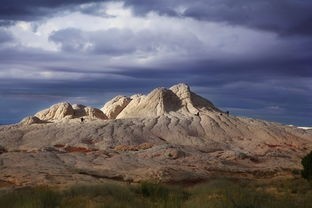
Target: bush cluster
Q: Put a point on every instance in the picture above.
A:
(307, 167)
(217, 193)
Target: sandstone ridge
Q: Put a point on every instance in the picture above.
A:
(168, 135)
(161, 101)
(63, 111)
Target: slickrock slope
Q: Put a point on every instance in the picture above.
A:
(168, 135)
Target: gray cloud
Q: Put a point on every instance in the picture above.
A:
(124, 41)
(283, 17)
(112, 41)
(289, 17)
(29, 10)
(5, 36)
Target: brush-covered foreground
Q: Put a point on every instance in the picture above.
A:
(217, 193)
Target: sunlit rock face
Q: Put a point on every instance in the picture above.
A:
(113, 107)
(57, 111)
(161, 101)
(65, 110)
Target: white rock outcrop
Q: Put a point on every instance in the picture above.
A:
(190, 102)
(87, 111)
(154, 104)
(113, 107)
(56, 112)
(162, 101)
(66, 110)
(94, 113)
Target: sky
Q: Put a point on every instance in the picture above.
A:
(250, 57)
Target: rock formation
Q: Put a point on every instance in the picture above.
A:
(86, 111)
(161, 101)
(56, 112)
(65, 110)
(113, 107)
(167, 135)
(191, 102)
(31, 120)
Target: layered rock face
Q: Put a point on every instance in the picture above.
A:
(167, 135)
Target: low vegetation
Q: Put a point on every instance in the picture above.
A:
(307, 167)
(217, 193)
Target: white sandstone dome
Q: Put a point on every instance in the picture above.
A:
(161, 101)
(56, 112)
(113, 107)
(67, 111)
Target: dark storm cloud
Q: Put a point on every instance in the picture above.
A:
(32, 9)
(287, 17)
(284, 17)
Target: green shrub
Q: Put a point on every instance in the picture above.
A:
(154, 191)
(162, 196)
(307, 167)
(296, 172)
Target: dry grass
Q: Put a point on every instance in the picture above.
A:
(217, 193)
